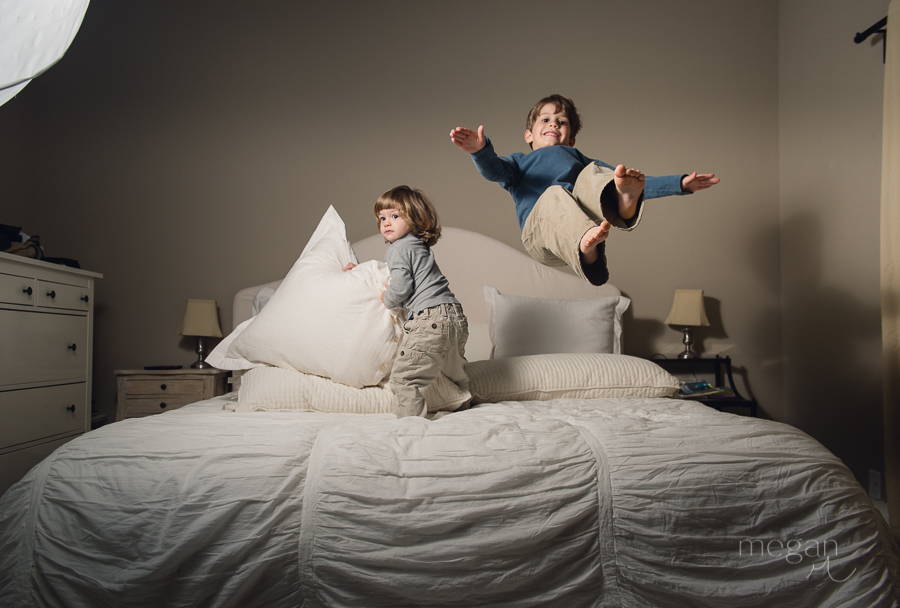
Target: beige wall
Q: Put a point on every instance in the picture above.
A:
(187, 154)
(830, 112)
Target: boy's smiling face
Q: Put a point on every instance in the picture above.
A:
(550, 129)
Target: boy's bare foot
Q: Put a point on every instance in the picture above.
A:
(591, 240)
(630, 185)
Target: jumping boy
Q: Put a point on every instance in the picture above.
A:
(436, 330)
(565, 201)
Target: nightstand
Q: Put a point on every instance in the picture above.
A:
(145, 392)
(718, 366)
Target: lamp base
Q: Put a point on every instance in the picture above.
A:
(688, 352)
(200, 363)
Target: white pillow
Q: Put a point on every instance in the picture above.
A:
(282, 390)
(321, 320)
(219, 357)
(560, 376)
(260, 300)
(535, 326)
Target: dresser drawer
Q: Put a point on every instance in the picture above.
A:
(62, 296)
(17, 290)
(146, 406)
(39, 347)
(192, 387)
(35, 413)
(14, 464)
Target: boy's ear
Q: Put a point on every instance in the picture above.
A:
(529, 138)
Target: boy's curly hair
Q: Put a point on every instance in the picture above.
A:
(562, 104)
(416, 209)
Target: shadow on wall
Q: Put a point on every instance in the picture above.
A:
(641, 336)
(763, 254)
(832, 352)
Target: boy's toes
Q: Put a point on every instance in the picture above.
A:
(594, 237)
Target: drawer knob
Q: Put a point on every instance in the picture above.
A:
(71, 408)
(28, 290)
(52, 294)
(162, 387)
(162, 406)
(72, 347)
(84, 298)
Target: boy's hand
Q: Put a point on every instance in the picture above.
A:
(468, 140)
(349, 266)
(693, 182)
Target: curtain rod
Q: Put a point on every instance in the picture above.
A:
(878, 28)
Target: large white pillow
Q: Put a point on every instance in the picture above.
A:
(522, 326)
(321, 320)
(561, 376)
(282, 390)
(220, 358)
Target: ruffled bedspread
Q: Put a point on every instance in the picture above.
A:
(612, 502)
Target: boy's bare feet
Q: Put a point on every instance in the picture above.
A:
(630, 185)
(591, 240)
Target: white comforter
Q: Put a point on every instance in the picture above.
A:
(614, 502)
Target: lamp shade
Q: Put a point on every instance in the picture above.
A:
(201, 318)
(687, 308)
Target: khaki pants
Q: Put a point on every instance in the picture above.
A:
(553, 230)
(434, 341)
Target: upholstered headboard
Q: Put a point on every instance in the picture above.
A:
(470, 261)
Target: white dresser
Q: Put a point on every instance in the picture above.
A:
(46, 344)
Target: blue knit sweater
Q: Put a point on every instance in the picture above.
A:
(527, 176)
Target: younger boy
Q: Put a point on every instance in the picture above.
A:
(565, 201)
(435, 334)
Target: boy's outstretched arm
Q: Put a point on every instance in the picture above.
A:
(468, 140)
(698, 181)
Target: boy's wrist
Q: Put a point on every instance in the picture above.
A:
(487, 144)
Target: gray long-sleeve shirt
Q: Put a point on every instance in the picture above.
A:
(416, 281)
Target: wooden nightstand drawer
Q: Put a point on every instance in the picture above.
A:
(165, 386)
(135, 408)
(148, 392)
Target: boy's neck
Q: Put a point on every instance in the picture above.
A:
(552, 146)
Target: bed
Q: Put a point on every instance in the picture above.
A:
(572, 480)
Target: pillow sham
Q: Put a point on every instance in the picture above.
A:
(321, 320)
(569, 375)
(522, 326)
(282, 390)
(219, 357)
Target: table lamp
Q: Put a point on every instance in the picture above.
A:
(688, 312)
(201, 320)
